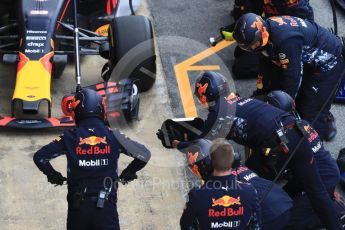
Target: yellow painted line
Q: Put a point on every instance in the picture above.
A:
(206, 53)
(182, 78)
(204, 67)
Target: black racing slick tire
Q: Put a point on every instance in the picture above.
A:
(132, 52)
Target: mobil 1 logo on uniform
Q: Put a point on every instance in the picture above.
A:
(93, 163)
(226, 224)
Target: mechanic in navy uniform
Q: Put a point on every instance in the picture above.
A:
(246, 64)
(222, 202)
(256, 124)
(92, 152)
(275, 208)
(309, 58)
(269, 8)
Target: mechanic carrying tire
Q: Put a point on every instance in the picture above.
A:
(309, 59)
(222, 202)
(246, 64)
(256, 124)
(92, 152)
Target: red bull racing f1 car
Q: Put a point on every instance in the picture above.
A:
(38, 36)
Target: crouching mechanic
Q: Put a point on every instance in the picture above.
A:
(256, 124)
(309, 58)
(297, 8)
(223, 201)
(246, 64)
(269, 8)
(275, 207)
(92, 152)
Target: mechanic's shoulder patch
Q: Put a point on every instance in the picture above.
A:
(232, 98)
(292, 3)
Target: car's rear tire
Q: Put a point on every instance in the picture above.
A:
(6, 7)
(126, 33)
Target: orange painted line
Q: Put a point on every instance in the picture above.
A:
(182, 78)
(185, 92)
(204, 68)
(206, 53)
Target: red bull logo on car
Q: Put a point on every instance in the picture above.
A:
(93, 142)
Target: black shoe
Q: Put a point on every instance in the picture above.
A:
(341, 160)
(332, 129)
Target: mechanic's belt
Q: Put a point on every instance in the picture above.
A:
(100, 199)
(281, 132)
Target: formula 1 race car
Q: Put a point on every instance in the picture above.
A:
(40, 36)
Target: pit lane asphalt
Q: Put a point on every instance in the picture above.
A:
(199, 20)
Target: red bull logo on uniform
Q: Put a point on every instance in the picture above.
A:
(312, 136)
(293, 22)
(226, 212)
(278, 20)
(226, 201)
(93, 142)
(307, 128)
(232, 98)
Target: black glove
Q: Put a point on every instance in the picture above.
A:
(168, 133)
(341, 160)
(56, 178)
(166, 137)
(127, 176)
(229, 28)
